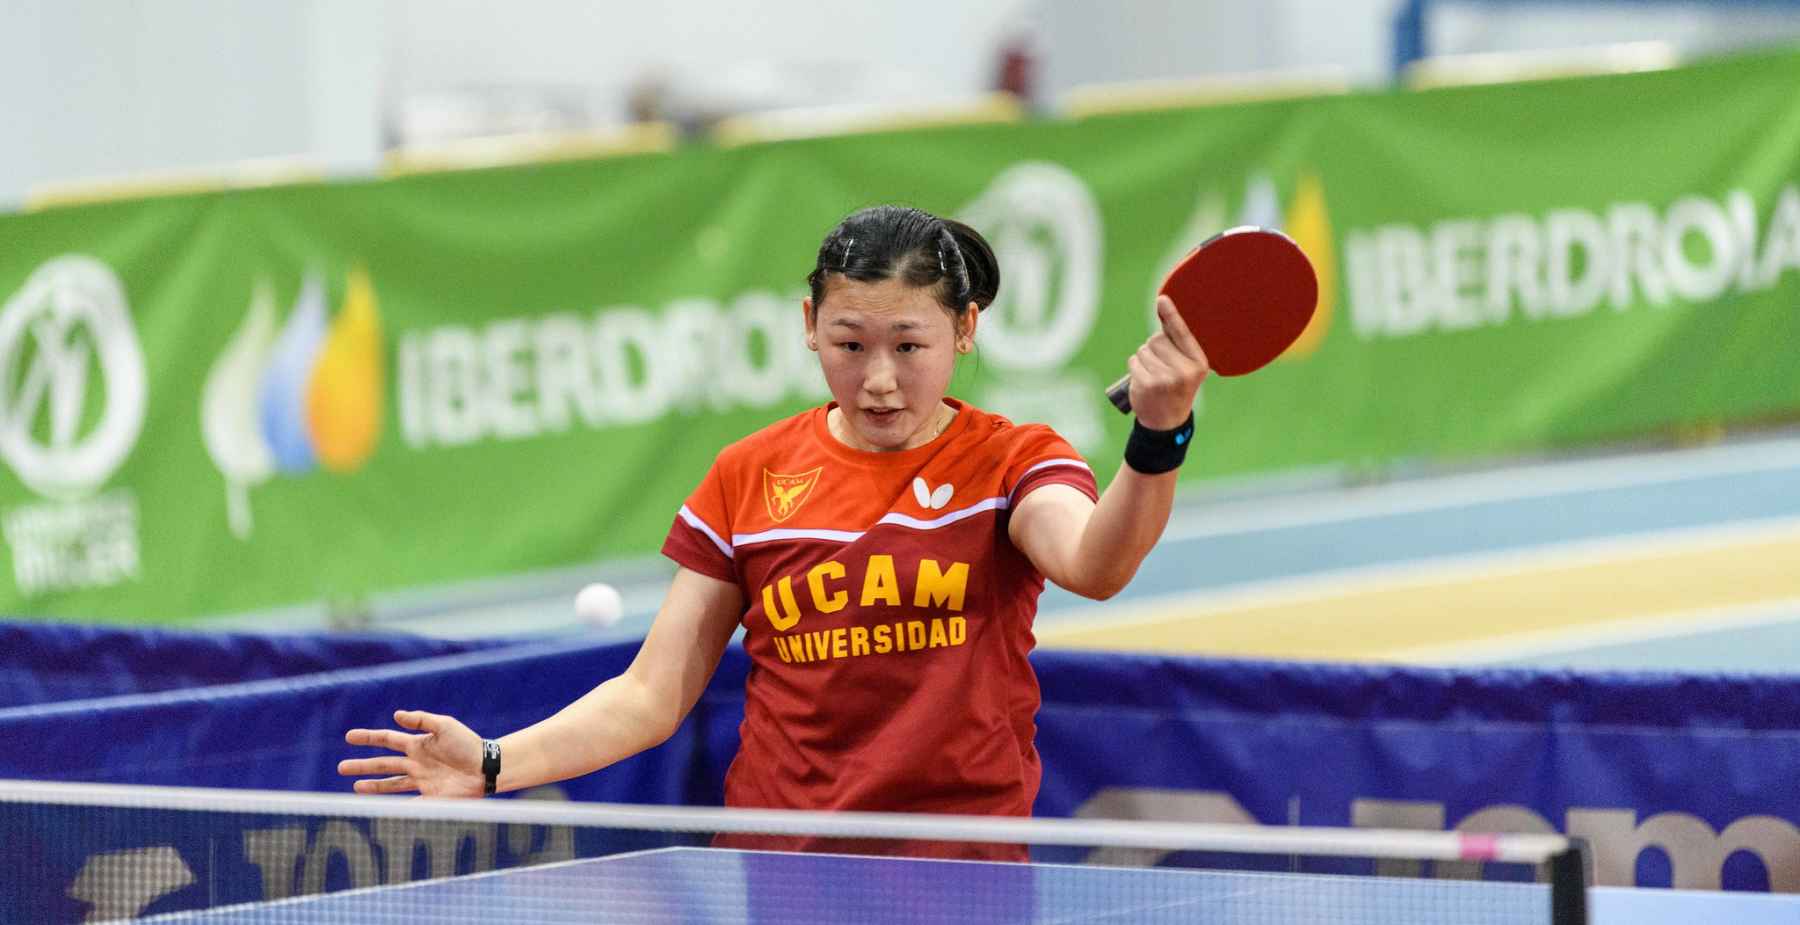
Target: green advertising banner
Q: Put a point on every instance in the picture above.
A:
(224, 402)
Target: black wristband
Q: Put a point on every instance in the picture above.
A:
(1153, 452)
(490, 764)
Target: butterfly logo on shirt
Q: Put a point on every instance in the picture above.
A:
(929, 499)
(783, 494)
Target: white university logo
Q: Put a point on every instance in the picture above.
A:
(72, 397)
(69, 319)
(1046, 229)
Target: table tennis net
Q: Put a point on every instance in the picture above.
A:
(74, 853)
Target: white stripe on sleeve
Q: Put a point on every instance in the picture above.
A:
(693, 520)
(1076, 463)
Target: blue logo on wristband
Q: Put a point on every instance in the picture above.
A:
(1183, 435)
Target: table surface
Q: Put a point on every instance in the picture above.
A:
(714, 885)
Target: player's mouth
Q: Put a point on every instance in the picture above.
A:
(882, 416)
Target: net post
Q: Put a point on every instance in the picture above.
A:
(1568, 886)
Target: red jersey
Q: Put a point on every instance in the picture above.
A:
(889, 615)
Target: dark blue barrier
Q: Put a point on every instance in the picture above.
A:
(47, 662)
(287, 733)
(1674, 779)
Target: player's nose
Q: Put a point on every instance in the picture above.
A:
(878, 376)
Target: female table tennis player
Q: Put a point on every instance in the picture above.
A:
(884, 554)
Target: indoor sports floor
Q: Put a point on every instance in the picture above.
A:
(1677, 558)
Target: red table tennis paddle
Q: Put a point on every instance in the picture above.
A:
(1246, 293)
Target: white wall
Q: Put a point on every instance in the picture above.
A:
(1145, 39)
(602, 48)
(98, 87)
(109, 87)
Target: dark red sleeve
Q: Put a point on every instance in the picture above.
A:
(1042, 457)
(700, 537)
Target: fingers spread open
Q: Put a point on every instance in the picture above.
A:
(420, 720)
(362, 767)
(400, 784)
(380, 738)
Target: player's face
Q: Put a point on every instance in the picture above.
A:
(888, 350)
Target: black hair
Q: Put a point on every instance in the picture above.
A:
(884, 242)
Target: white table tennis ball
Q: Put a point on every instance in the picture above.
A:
(599, 604)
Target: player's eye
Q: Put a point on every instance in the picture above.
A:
(851, 346)
(909, 348)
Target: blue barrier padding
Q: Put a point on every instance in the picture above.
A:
(1685, 779)
(1682, 779)
(45, 662)
(287, 733)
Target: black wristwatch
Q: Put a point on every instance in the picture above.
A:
(490, 764)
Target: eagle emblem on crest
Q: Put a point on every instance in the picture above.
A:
(784, 494)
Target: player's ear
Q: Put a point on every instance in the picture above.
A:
(812, 324)
(965, 333)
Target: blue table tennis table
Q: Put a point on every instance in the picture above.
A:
(707, 885)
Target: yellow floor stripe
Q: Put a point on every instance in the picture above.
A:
(1384, 623)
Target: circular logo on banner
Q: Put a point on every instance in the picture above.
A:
(69, 321)
(1045, 229)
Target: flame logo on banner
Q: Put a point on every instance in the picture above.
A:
(291, 401)
(1306, 219)
(1309, 224)
(343, 399)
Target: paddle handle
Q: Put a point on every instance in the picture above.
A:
(1120, 394)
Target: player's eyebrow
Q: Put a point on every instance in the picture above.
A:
(857, 325)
